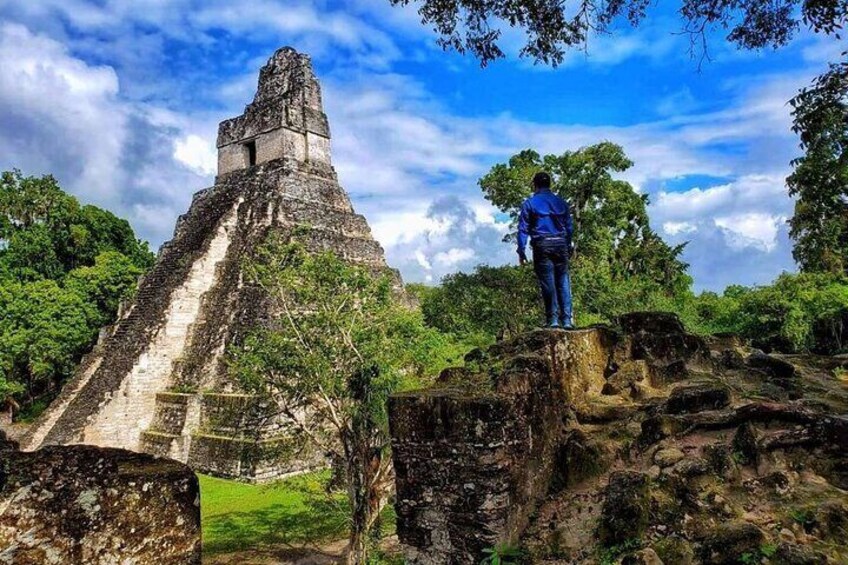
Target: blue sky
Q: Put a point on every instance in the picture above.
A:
(121, 101)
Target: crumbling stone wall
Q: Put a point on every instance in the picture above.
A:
(474, 456)
(84, 504)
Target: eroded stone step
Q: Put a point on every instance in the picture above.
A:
(251, 460)
(158, 443)
(297, 211)
(170, 414)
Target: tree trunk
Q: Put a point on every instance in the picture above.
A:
(357, 486)
(363, 450)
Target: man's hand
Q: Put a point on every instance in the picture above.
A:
(522, 259)
(571, 251)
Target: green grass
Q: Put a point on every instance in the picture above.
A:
(294, 511)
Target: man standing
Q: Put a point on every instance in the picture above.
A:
(546, 220)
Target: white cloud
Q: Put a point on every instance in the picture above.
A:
(754, 228)
(56, 107)
(453, 256)
(674, 228)
(822, 49)
(197, 153)
(66, 117)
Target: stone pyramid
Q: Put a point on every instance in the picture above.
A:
(157, 380)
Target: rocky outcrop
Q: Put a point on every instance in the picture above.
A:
(635, 444)
(473, 458)
(158, 381)
(83, 504)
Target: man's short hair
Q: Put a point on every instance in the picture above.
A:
(542, 180)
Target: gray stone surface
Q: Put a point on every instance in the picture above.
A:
(83, 504)
(139, 389)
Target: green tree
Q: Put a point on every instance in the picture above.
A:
(611, 227)
(45, 330)
(48, 233)
(553, 27)
(111, 278)
(803, 312)
(64, 268)
(481, 306)
(340, 343)
(820, 179)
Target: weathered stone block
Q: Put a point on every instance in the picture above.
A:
(727, 543)
(651, 322)
(470, 468)
(82, 504)
(697, 398)
(625, 513)
(628, 374)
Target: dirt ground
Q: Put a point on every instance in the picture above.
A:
(326, 554)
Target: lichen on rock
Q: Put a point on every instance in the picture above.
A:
(97, 506)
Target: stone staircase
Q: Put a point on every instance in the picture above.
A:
(225, 434)
(164, 436)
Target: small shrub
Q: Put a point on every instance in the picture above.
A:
(610, 555)
(804, 517)
(502, 554)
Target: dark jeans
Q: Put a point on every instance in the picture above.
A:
(551, 265)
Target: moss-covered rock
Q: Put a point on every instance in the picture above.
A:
(729, 543)
(626, 509)
(83, 504)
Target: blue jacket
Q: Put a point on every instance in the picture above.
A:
(544, 216)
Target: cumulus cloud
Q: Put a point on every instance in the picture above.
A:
(197, 153)
(455, 238)
(740, 225)
(58, 108)
(66, 117)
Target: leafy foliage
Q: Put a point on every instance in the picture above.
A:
(502, 554)
(797, 312)
(553, 27)
(612, 233)
(801, 312)
(820, 179)
(340, 343)
(48, 233)
(63, 270)
(491, 301)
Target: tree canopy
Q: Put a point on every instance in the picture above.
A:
(612, 233)
(820, 177)
(64, 267)
(339, 342)
(553, 27)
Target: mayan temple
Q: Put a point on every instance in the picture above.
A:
(157, 380)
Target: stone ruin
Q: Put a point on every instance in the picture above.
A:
(157, 380)
(84, 504)
(640, 444)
